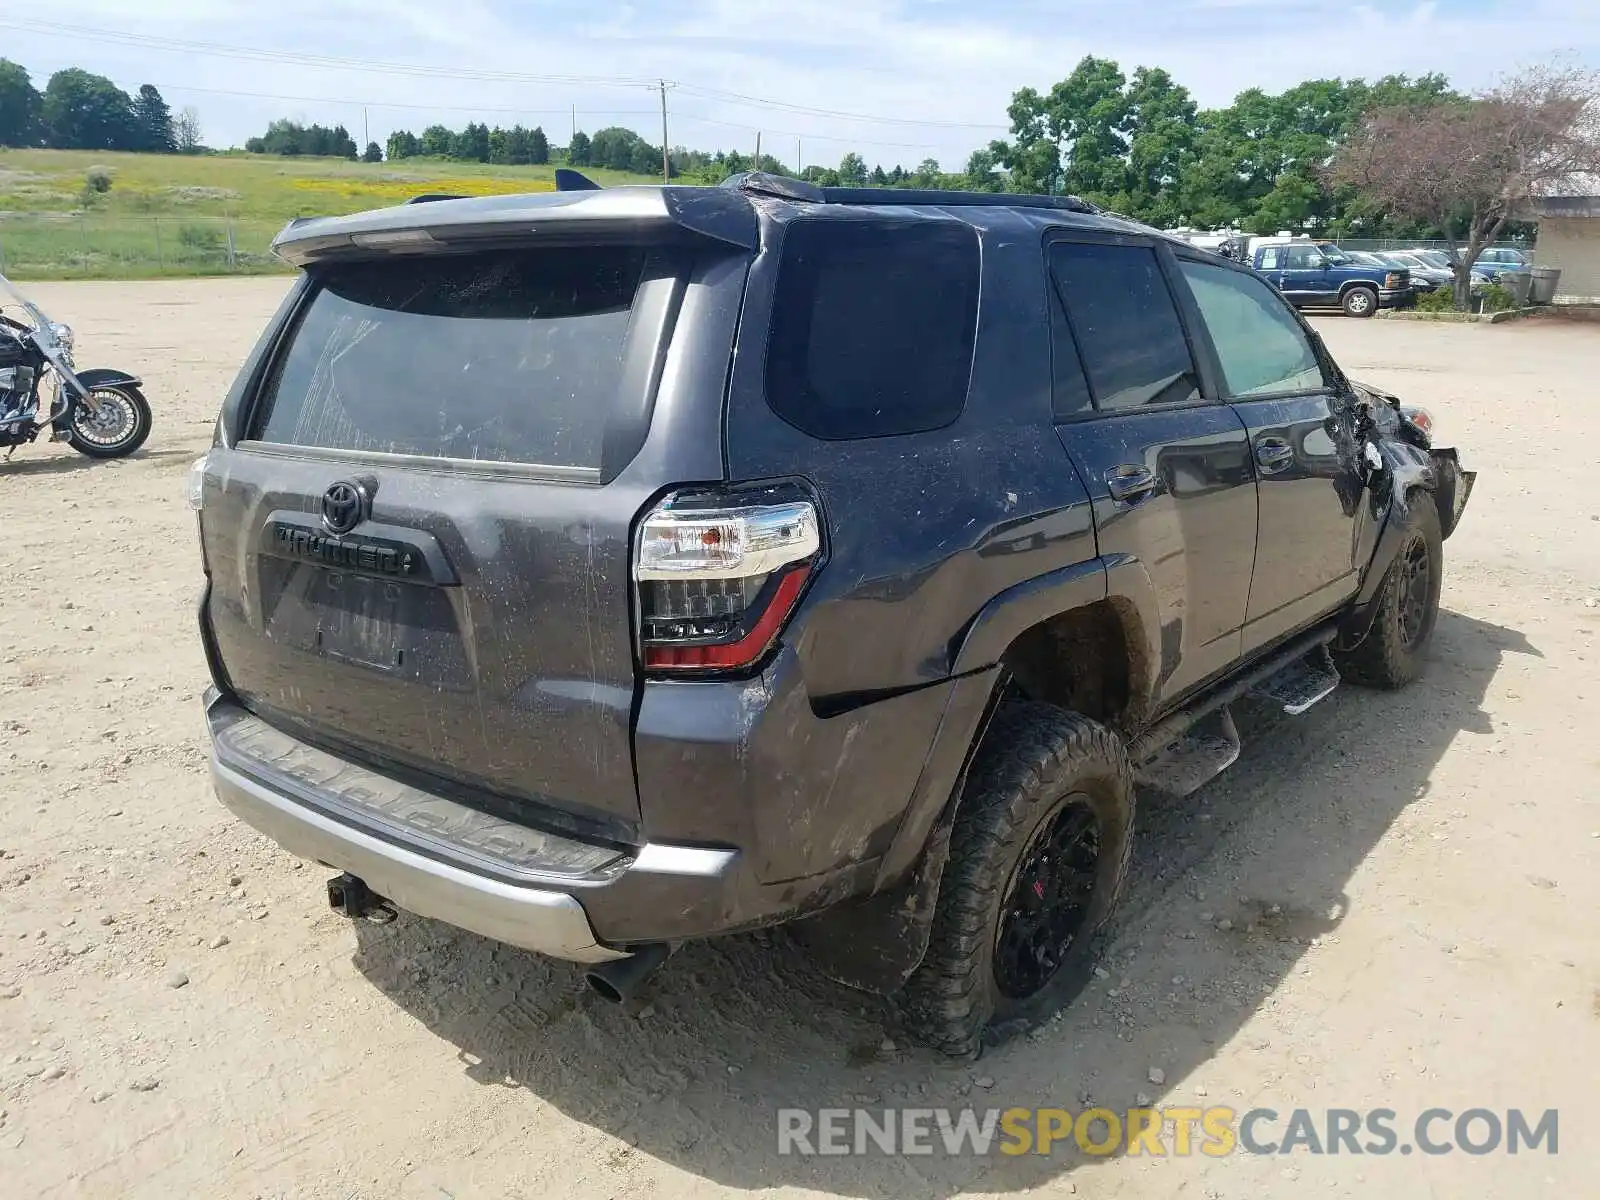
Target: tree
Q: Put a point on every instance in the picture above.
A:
(403, 144)
(153, 120)
(980, 172)
(292, 138)
(373, 153)
(20, 104)
(436, 142)
(579, 152)
(186, 131)
(852, 170)
(538, 147)
(1159, 124)
(1072, 139)
(87, 112)
(1470, 167)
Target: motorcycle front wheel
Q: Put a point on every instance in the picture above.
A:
(118, 429)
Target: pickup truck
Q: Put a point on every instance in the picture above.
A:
(1318, 275)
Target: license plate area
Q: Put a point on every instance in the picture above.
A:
(361, 620)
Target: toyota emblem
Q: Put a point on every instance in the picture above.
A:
(342, 507)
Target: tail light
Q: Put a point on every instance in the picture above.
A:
(1395, 280)
(717, 581)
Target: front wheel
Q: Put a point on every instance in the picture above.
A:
(1359, 302)
(1390, 656)
(1038, 856)
(118, 429)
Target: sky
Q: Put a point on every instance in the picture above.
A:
(896, 80)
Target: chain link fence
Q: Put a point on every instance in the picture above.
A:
(95, 246)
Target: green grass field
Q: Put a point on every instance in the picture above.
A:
(172, 215)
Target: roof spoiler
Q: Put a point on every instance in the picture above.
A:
(568, 180)
(430, 197)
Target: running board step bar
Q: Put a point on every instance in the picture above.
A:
(1193, 759)
(1300, 684)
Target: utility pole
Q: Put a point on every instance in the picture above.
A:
(366, 138)
(666, 160)
(758, 150)
(574, 124)
(799, 169)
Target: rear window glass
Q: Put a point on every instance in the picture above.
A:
(514, 356)
(874, 324)
(1126, 324)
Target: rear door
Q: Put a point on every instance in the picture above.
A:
(418, 538)
(1302, 441)
(1167, 468)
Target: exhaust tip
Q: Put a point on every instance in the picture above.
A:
(620, 980)
(600, 987)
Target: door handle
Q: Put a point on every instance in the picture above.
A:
(1274, 454)
(1130, 484)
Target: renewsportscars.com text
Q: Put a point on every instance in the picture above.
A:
(1157, 1132)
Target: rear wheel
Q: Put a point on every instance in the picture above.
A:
(1390, 656)
(118, 428)
(1359, 302)
(1037, 859)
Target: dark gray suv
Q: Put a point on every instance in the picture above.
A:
(609, 568)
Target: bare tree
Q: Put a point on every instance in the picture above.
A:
(1470, 166)
(186, 131)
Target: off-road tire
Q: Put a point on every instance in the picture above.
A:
(1386, 657)
(1032, 756)
(1359, 302)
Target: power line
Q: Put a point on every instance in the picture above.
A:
(257, 54)
(466, 108)
(832, 113)
(301, 58)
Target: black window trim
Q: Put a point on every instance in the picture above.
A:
(1201, 353)
(660, 293)
(1329, 368)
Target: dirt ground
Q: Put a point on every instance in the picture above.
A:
(1389, 902)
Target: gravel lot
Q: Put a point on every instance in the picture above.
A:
(1389, 902)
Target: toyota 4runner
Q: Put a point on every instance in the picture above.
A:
(609, 568)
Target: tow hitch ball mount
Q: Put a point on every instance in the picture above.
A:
(352, 898)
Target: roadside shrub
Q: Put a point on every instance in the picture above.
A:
(1441, 299)
(97, 180)
(200, 237)
(1497, 298)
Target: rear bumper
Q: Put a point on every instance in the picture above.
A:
(440, 859)
(550, 922)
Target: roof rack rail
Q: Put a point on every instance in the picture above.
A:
(952, 199)
(430, 197)
(568, 180)
(785, 187)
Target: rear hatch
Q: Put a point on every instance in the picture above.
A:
(418, 527)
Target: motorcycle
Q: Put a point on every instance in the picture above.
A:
(99, 412)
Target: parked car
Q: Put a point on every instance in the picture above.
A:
(602, 570)
(1482, 272)
(1426, 275)
(1497, 260)
(1320, 275)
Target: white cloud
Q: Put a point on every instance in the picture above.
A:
(937, 62)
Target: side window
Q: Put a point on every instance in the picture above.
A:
(1125, 325)
(1303, 258)
(873, 326)
(1272, 259)
(1261, 346)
